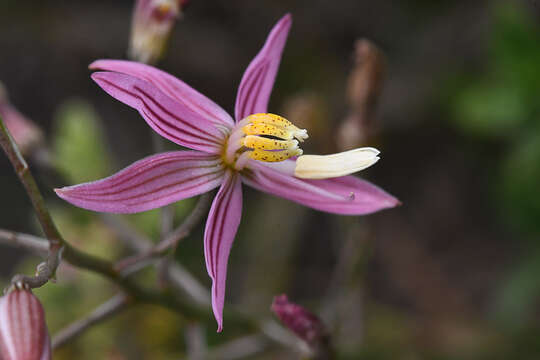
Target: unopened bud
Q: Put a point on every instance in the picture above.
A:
(23, 332)
(363, 90)
(26, 133)
(152, 23)
(300, 321)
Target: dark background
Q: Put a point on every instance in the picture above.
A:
(451, 274)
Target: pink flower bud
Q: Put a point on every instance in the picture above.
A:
(153, 21)
(23, 332)
(25, 133)
(303, 323)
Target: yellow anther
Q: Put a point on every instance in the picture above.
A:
(271, 119)
(268, 130)
(262, 143)
(263, 137)
(273, 156)
(277, 122)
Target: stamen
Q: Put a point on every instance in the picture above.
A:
(262, 143)
(335, 165)
(274, 156)
(263, 137)
(279, 122)
(267, 129)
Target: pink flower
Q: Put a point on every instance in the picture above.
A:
(23, 332)
(256, 149)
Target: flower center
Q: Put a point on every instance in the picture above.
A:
(263, 137)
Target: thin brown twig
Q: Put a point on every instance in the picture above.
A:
(179, 278)
(172, 240)
(184, 281)
(239, 348)
(47, 269)
(36, 244)
(103, 312)
(196, 346)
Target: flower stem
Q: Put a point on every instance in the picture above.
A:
(45, 270)
(174, 237)
(103, 312)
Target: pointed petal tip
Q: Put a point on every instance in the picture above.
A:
(101, 64)
(287, 17)
(392, 202)
(63, 193)
(92, 65)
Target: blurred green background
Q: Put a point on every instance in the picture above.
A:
(454, 273)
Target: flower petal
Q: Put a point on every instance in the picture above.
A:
(171, 86)
(149, 183)
(221, 226)
(256, 85)
(169, 118)
(346, 195)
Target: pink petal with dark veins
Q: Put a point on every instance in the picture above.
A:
(169, 118)
(149, 183)
(171, 86)
(221, 227)
(256, 85)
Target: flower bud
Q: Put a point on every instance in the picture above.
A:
(23, 332)
(152, 23)
(26, 134)
(300, 321)
(363, 91)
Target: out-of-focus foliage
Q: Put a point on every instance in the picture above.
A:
(79, 146)
(501, 105)
(505, 95)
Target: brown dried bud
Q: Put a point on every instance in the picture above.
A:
(152, 23)
(363, 90)
(23, 332)
(26, 133)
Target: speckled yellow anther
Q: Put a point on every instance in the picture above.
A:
(272, 119)
(274, 156)
(262, 143)
(279, 122)
(263, 137)
(267, 130)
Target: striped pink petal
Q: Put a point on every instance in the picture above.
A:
(221, 226)
(169, 118)
(171, 86)
(256, 85)
(149, 183)
(23, 332)
(346, 195)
